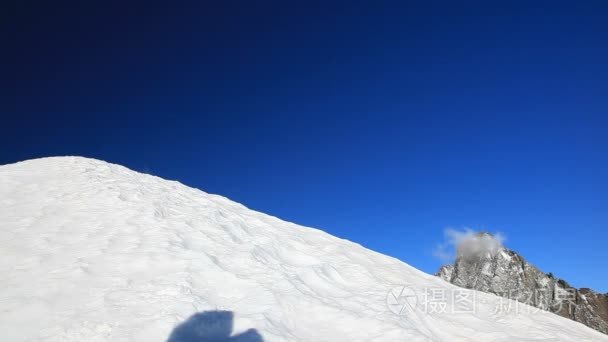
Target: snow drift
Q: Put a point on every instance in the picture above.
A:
(91, 251)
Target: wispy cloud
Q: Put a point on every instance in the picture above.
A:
(467, 243)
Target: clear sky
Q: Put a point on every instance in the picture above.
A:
(383, 124)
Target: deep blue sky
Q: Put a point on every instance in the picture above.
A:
(381, 124)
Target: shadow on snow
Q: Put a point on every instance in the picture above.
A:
(211, 326)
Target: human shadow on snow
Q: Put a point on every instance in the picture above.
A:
(211, 326)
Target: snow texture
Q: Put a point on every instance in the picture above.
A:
(92, 251)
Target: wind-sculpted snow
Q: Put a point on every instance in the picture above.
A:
(91, 251)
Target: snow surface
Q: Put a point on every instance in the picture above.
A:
(91, 251)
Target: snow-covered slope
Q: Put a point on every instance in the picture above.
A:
(91, 251)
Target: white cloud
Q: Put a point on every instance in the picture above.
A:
(467, 243)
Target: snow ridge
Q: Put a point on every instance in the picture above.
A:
(92, 251)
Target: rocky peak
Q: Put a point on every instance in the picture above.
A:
(483, 264)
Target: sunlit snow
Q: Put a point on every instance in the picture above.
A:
(91, 251)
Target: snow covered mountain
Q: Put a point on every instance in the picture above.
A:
(91, 251)
(506, 273)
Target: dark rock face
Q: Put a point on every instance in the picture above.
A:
(507, 274)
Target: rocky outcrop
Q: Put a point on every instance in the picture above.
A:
(507, 274)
